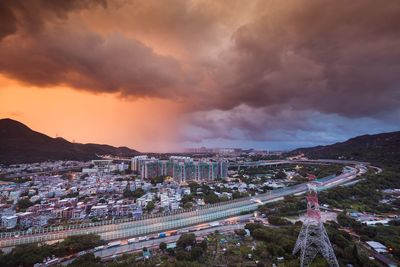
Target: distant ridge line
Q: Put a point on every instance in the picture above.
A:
(20, 144)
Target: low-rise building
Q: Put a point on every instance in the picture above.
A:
(143, 200)
(99, 211)
(78, 214)
(9, 222)
(377, 246)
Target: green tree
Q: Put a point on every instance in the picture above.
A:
(138, 193)
(186, 198)
(275, 220)
(26, 255)
(163, 246)
(87, 260)
(73, 244)
(252, 226)
(158, 180)
(127, 192)
(23, 204)
(240, 232)
(236, 195)
(193, 186)
(188, 205)
(187, 239)
(211, 198)
(196, 253)
(150, 206)
(280, 175)
(203, 245)
(181, 255)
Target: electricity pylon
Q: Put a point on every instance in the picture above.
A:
(313, 237)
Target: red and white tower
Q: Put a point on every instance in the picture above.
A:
(313, 237)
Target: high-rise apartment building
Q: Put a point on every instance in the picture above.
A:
(181, 168)
(136, 162)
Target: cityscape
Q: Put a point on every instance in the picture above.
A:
(199, 133)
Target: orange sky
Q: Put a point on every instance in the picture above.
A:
(144, 124)
(161, 75)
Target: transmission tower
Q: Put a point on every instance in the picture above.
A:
(313, 237)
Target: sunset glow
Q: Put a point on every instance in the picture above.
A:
(167, 75)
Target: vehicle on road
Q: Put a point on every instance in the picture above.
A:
(161, 235)
(114, 244)
(214, 224)
(143, 238)
(99, 248)
(171, 233)
(81, 253)
(8, 240)
(132, 240)
(53, 261)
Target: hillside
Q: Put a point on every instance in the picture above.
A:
(20, 144)
(384, 147)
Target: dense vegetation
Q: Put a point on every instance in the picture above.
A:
(319, 171)
(133, 194)
(387, 235)
(379, 148)
(366, 195)
(268, 249)
(206, 192)
(188, 252)
(187, 249)
(288, 207)
(262, 246)
(27, 255)
(23, 204)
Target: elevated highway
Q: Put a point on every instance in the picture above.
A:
(298, 161)
(125, 228)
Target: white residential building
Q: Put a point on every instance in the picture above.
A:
(9, 222)
(143, 200)
(14, 196)
(99, 211)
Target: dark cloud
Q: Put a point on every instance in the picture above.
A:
(329, 57)
(336, 57)
(8, 23)
(89, 61)
(284, 59)
(287, 129)
(30, 16)
(247, 123)
(47, 50)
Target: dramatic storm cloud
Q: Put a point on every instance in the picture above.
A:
(251, 74)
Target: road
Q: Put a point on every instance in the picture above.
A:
(131, 228)
(280, 162)
(105, 253)
(227, 225)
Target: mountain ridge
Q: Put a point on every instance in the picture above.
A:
(21, 144)
(368, 147)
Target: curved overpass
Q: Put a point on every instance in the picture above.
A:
(309, 161)
(118, 229)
